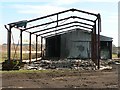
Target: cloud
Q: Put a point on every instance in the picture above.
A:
(101, 0)
(37, 9)
(60, 1)
(112, 19)
(65, 2)
(24, 1)
(45, 9)
(3, 40)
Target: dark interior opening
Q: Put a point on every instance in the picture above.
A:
(53, 47)
(106, 46)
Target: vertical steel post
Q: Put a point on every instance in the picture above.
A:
(30, 48)
(9, 44)
(95, 44)
(36, 45)
(20, 46)
(110, 46)
(92, 40)
(41, 46)
(98, 46)
(57, 19)
(56, 39)
(99, 29)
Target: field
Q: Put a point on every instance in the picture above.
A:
(65, 78)
(3, 52)
(25, 56)
(16, 54)
(60, 79)
(114, 56)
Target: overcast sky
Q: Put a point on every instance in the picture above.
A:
(17, 10)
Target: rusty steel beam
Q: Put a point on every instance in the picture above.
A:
(61, 13)
(30, 48)
(36, 45)
(46, 23)
(20, 46)
(83, 18)
(58, 21)
(64, 28)
(9, 43)
(94, 45)
(63, 25)
(99, 30)
(110, 45)
(62, 32)
(56, 37)
(41, 47)
(47, 16)
(86, 12)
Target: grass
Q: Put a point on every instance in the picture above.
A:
(114, 55)
(3, 56)
(25, 71)
(25, 56)
(35, 71)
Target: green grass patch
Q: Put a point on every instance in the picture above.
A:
(114, 56)
(25, 56)
(28, 71)
(37, 71)
(3, 56)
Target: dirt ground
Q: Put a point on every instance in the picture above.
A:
(60, 79)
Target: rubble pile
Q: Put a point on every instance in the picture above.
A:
(109, 64)
(61, 64)
(83, 64)
(70, 64)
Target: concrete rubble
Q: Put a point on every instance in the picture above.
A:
(70, 64)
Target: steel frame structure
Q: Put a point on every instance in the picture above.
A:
(95, 32)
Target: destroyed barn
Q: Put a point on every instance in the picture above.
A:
(73, 34)
(76, 44)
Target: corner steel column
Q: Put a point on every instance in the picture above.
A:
(41, 47)
(94, 45)
(57, 19)
(36, 45)
(9, 44)
(30, 48)
(20, 46)
(99, 29)
(56, 39)
(110, 46)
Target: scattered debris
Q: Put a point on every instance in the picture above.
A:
(12, 65)
(61, 64)
(79, 64)
(105, 68)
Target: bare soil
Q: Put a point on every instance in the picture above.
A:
(60, 79)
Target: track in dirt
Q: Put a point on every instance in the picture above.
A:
(60, 79)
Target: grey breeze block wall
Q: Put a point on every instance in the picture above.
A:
(77, 44)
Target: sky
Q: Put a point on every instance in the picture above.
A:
(17, 10)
